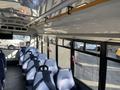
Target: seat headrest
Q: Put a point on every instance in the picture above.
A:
(42, 58)
(43, 68)
(65, 73)
(32, 49)
(52, 65)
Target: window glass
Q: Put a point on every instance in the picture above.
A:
(113, 76)
(60, 41)
(52, 51)
(87, 69)
(63, 57)
(67, 43)
(113, 51)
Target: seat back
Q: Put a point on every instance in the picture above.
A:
(42, 58)
(21, 55)
(52, 66)
(44, 81)
(32, 68)
(65, 80)
(31, 51)
(26, 60)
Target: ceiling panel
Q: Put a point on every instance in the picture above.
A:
(103, 18)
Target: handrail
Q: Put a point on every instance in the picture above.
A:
(54, 9)
(66, 13)
(80, 8)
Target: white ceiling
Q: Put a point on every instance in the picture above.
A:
(103, 18)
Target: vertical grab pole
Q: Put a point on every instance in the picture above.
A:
(42, 44)
(56, 41)
(103, 66)
(84, 47)
(37, 42)
(47, 47)
(72, 56)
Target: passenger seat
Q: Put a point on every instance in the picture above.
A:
(26, 60)
(52, 66)
(21, 55)
(33, 67)
(44, 79)
(65, 80)
(27, 57)
(42, 58)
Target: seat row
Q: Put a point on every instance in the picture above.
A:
(43, 74)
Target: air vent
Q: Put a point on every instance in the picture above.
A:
(13, 21)
(9, 27)
(18, 28)
(4, 27)
(13, 28)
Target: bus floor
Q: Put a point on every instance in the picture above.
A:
(14, 79)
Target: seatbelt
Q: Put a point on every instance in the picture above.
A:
(45, 62)
(26, 60)
(30, 68)
(47, 80)
(36, 85)
(27, 51)
(36, 63)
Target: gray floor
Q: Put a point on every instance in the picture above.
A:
(14, 79)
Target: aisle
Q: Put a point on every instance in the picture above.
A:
(14, 79)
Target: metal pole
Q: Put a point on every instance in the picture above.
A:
(48, 47)
(56, 50)
(72, 56)
(84, 47)
(103, 67)
(42, 44)
(37, 42)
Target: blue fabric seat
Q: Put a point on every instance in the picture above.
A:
(52, 66)
(44, 80)
(33, 66)
(27, 57)
(65, 80)
(21, 55)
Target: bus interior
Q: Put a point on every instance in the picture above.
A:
(59, 45)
